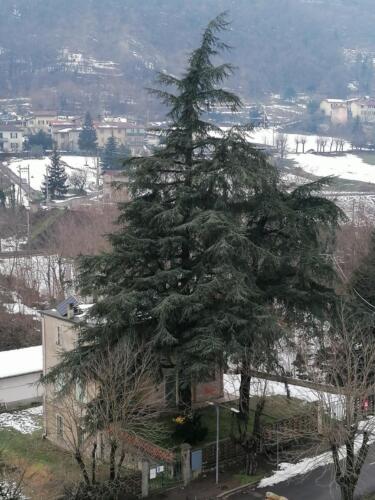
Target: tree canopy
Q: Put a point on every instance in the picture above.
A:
(212, 252)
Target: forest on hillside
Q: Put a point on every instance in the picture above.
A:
(76, 50)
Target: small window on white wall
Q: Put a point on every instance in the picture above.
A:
(59, 426)
(59, 335)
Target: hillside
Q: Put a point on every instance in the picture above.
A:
(98, 53)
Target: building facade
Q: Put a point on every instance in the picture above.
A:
(40, 121)
(60, 333)
(66, 139)
(126, 134)
(336, 109)
(11, 138)
(364, 109)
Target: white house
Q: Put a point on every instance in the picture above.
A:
(11, 138)
(336, 109)
(20, 371)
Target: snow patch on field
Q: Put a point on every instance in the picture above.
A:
(268, 137)
(288, 470)
(38, 168)
(24, 421)
(270, 388)
(349, 166)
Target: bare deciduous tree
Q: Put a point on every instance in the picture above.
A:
(110, 412)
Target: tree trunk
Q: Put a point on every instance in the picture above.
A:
(93, 463)
(184, 397)
(347, 491)
(244, 403)
(121, 461)
(112, 461)
(82, 466)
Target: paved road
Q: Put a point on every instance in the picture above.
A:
(317, 485)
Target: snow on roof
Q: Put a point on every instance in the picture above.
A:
(21, 361)
(335, 100)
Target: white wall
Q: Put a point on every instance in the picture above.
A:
(21, 389)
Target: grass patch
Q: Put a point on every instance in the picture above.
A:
(42, 225)
(276, 408)
(244, 479)
(367, 157)
(46, 467)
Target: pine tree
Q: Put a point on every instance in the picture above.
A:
(208, 243)
(110, 157)
(87, 140)
(56, 178)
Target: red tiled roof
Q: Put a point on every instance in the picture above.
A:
(148, 448)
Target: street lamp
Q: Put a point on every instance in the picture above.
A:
(217, 406)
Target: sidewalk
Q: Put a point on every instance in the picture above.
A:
(203, 488)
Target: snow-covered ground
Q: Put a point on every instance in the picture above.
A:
(345, 166)
(24, 421)
(44, 273)
(38, 168)
(289, 470)
(268, 137)
(348, 166)
(20, 308)
(11, 244)
(270, 388)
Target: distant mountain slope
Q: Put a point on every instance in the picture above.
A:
(104, 49)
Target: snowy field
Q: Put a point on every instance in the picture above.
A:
(24, 421)
(39, 166)
(349, 166)
(268, 137)
(346, 166)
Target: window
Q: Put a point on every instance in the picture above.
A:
(59, 335)
(1, 135)
(59, 384)
(13, 135)
(80, 436)
(59, 426)
(13, 146)
(81, 393)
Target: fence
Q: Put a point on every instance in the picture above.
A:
(281, 432)
(165, 475)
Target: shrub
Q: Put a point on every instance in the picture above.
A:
(190, 429)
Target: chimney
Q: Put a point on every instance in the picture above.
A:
(70, 311)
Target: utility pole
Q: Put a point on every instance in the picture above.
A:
(20, 172)
(47, 186)
(217, 407)
(97, 169)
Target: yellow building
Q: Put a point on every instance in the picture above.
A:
(41, 120)
(336, 109)
(126, 134)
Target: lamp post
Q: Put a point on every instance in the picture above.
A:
(217, 406)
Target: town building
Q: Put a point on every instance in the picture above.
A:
(40, 120)
(66, 138)
(126, 134)
(60, 330)
(11, 138)
(336, 109)
(20, 371)
(364, 109)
